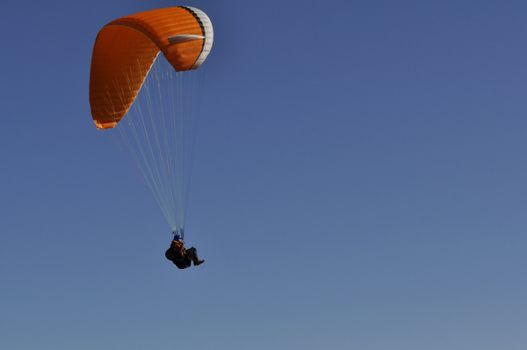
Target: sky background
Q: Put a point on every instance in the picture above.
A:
(359, 183)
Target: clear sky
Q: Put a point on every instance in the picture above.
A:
(359, 183)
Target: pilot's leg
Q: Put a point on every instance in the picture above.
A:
(192, 253)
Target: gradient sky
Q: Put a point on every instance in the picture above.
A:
(359, 183)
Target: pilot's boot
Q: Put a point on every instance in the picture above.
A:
(192, 253)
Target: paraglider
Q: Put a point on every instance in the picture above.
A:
(151, 99)
(181, 256)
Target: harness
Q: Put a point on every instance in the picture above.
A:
(178, 243)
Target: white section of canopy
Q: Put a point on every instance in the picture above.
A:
(181, 38)
(209, 35)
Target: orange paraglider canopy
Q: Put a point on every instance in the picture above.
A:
(126, 48)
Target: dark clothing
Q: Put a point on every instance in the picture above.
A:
(182, 257)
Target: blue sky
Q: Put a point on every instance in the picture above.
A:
(359, 183)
